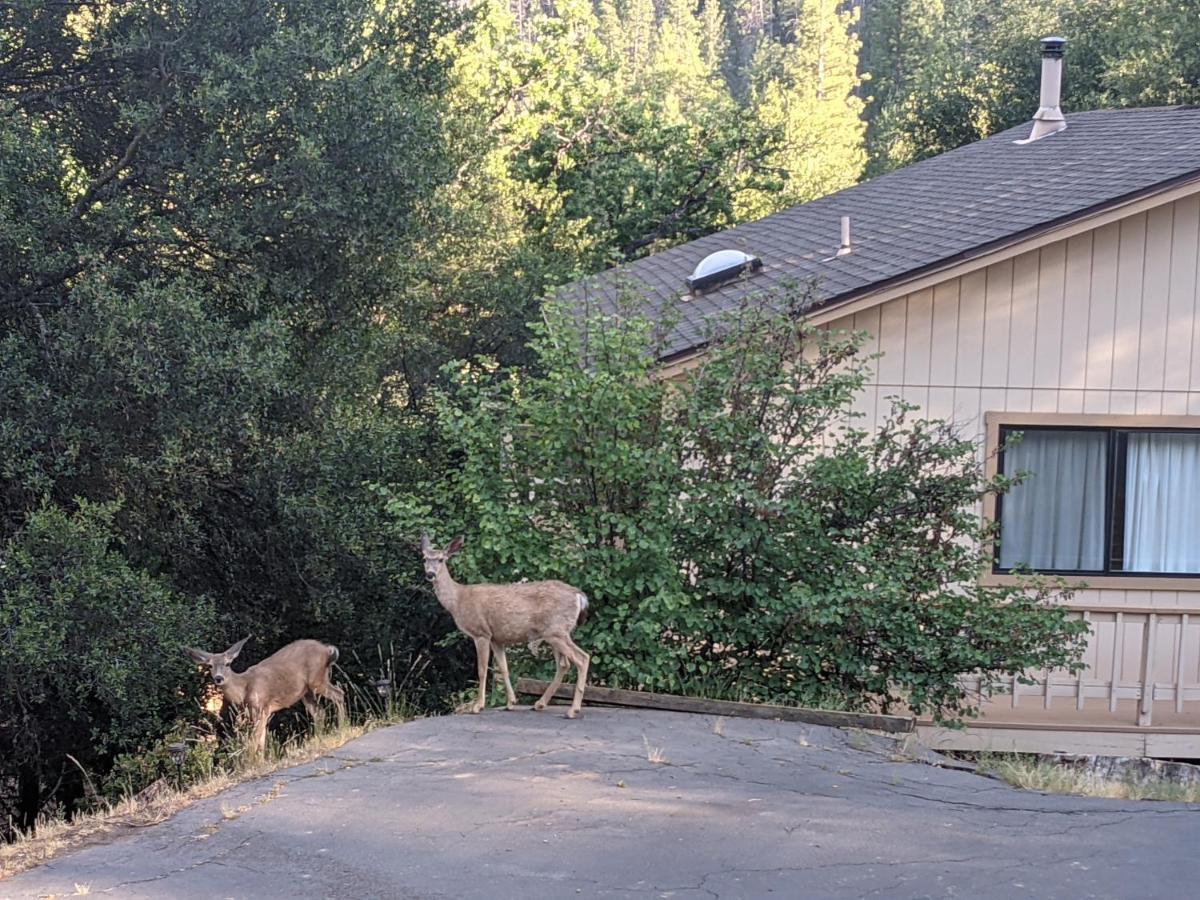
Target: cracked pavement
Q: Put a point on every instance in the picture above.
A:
(524, 804)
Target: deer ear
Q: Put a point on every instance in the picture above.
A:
(231, 654)
(426, 544)
(197, 655)
(455, 545)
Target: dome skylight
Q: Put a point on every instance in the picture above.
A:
(722, 266)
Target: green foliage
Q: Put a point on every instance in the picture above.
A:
(1133, 53)
(89, 661)
(204, 756)
(945, 74)
(605, 131)
(212, 220)
(733, 529)
(806, 92)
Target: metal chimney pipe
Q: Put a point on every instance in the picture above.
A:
(1049, 118)
(845, 248)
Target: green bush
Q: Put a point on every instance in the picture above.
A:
(89, 659)
(204, 756)
(737, 533)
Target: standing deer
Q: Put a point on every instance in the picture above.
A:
(496, 616)
(299, 671)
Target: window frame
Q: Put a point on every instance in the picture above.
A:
(999, 423)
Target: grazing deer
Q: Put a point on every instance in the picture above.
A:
(497, 616)
(299, 671)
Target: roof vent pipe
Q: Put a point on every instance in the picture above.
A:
(1049, 118)
(845, 248)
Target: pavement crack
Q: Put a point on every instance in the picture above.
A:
(215, 860)
(991, 807)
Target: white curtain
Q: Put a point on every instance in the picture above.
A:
(1055, 519)
(1162, 503)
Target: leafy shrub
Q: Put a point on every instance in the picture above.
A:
(203, 757)
(737, 533)
(89, 659)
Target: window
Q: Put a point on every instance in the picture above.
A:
(1111, 501)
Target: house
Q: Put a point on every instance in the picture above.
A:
(1044, 280)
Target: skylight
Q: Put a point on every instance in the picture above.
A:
(722, 266)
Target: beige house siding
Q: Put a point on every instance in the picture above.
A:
(1042, 332)
(1106, 321)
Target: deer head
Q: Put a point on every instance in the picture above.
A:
(434, 558)
(218, 663)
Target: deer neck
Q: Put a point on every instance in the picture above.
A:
(234, 688)
(447, 590)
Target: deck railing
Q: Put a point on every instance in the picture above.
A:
(1147, 655)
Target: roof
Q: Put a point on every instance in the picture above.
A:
(918, 218)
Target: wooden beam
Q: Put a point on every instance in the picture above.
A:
(646, 700)
(1019, 739)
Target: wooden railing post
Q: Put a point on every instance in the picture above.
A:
(1146, 707)
(1180, 647)
(1117, 660)
(1079, 681)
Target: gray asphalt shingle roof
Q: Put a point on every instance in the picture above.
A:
(925, 215)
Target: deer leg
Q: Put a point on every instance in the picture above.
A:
(562, 664)
(582, 661)
(315, 712)
(258, 735)
(568, 653)
(502, 666)
(335, 695)
(482, 649)
(338, 696)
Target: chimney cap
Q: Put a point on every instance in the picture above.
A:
(1053, 47)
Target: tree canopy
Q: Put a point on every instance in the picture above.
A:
(208, 207)
(947, 72)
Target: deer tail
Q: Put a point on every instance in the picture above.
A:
(333, 654)
(582, 600)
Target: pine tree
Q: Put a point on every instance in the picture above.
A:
(902, 40)
(805, 91)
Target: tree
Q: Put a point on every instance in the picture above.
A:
(210, 218)
(1138, 53)
(899, 39)
(805, 90)
(736, 534)
(945, 74)
(608, 134)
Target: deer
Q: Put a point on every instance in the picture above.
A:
(496, 616)
(299, 671)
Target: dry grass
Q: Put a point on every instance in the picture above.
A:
(1035, 774)
(858, 740)
(655, 754)
(158, 803)
(906, 749)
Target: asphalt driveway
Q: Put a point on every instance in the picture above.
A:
(625, 803)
